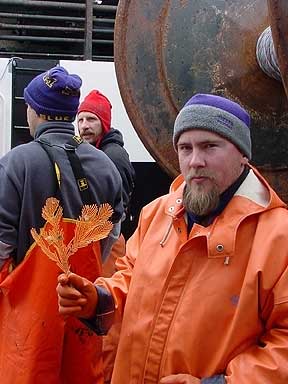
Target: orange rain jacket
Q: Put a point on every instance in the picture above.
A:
(211, 302)
(37, 345)
(111, 340)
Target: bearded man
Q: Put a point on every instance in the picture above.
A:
(207, 301)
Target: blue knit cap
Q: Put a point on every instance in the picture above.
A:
(215, 114)
(54, 95)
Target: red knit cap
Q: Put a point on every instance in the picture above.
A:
(95, 102)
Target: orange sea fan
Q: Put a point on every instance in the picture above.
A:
(92, 225)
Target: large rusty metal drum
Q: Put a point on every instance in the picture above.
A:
(168, 50)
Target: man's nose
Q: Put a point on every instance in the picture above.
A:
(197, 159)
(84, 124)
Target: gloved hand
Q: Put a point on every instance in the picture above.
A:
(180, 379)
(77, 296)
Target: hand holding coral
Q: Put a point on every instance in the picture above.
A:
(77, 296)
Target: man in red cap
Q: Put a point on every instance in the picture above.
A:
(94, 125)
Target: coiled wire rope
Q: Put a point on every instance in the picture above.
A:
(266, 55)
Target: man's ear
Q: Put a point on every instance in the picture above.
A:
(244, 160)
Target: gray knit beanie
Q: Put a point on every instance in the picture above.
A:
(215, 114)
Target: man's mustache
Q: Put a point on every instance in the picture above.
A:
(202, 173)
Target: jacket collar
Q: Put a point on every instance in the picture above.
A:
(252, 197)
(53, 126)
(255, 190)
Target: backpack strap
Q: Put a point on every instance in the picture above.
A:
(48, 149)
(70, 149)
(79, 174)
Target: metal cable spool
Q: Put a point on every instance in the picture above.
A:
(168, 50)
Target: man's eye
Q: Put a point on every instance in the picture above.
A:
(184, 148)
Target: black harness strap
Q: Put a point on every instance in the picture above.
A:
(48, 149)
(79, 174)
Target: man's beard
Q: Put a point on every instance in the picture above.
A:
(196, 200)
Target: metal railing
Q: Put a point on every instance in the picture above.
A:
(60, 29)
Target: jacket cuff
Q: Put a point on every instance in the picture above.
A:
(104, 316)
(217, 379)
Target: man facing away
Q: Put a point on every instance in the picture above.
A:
(204, 283)
(36, 344)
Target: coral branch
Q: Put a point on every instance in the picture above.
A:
(92, 225)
